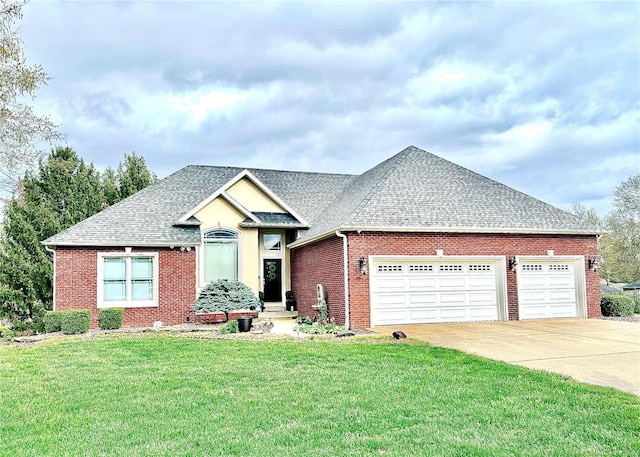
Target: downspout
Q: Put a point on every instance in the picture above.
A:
(53, 282)
(345, 269)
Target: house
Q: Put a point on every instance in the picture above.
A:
(415, 239)
(632, 289)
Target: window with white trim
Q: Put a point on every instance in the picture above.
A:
(272, 241)
(127, 280)
(220, 255)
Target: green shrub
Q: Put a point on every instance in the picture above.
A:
(6, 334)
(225, 295)
(75, 321)
(110, 318)
(53, 321)
(617, 305)
(229, 327)
(636, 305)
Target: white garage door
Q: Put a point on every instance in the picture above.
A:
(547, 289)
(423, 291)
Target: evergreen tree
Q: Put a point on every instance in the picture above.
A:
(133, 175)
(64, 191)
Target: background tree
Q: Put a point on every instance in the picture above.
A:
(21, 129)
(64, 191)
(619, 249)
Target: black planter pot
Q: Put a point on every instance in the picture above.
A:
(244, 324)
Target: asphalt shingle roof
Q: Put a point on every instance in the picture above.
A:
(417, 189)
(413, 189)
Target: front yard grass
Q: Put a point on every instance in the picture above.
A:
(162, 395)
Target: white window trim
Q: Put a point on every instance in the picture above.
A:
(101, 303)
(201, 259)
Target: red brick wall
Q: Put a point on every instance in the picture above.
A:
(377, 243)
(319, 263)
(76, 285)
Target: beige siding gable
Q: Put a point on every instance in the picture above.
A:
(253, 198)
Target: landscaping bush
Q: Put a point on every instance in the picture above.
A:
(75, 321)
(617, 305)
(53, 321)
(6, 334)
(225, 295)
(110, 318)
(636, 305)
(229, 327)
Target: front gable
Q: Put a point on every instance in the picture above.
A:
(248, 195)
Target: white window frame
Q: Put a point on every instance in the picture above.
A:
(201, 255)
(128, 303)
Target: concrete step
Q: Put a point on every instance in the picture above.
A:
(277, 314)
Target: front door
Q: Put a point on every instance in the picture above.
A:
(272, 280)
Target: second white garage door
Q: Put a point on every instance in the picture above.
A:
(419, 290)
(547, 289)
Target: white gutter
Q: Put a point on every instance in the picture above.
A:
(480, 230)
(345, 268)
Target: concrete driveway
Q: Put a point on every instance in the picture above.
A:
(602, 352)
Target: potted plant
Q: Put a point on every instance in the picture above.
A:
(230, 297)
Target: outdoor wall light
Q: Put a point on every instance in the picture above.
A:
(513, 263)
(362, 263)
(593, 263)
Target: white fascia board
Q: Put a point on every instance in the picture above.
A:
(237, 205)
(478, 230)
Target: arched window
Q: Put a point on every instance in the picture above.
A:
(220, 255)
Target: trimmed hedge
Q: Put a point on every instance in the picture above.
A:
(617, 305)
(75, 321)
(53, 321)
(110, 318)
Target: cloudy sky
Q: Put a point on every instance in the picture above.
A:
(544, 97)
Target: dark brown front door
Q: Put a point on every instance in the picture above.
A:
(272, 280)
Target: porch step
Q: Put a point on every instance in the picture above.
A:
(277, 314)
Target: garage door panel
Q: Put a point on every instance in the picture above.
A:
(386, 317)
(562, 282)
(422, 315)
(483, 299)
(531, 281)
(422, 283)
(387, 300)
(452, 283)
(422, 299)
(454, 314)
(488, 313)
(449, 299)
(482, 282)
(390, 284)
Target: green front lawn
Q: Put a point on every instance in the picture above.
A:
(159, 395)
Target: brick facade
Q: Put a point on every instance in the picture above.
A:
(321, 263)
(312, 264)
(76, 285)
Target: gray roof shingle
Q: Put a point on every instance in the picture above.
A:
(412, 190)
(149, 216)
(417, 189)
